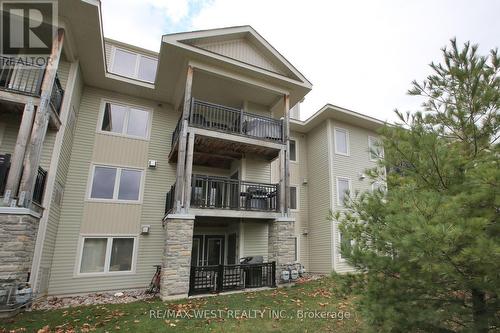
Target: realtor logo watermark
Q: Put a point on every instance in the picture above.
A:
(27, 30)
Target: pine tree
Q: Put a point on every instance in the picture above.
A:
(428, 249)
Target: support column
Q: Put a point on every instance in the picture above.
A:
(189, 172)
(282, 191)
(32, 158)
(176, 268)
(16, 164)
(181, 151)
(286, 102)
(281, 245)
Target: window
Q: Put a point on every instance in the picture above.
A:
(341, 141)
(112, 183)
(293, 198)
(296, 242)
(375, 150)
(345, 243)
(343, 189)
(293, 150)
(107, 254)
(134, 65)
(125, 120)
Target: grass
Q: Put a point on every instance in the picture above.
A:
(242, 312)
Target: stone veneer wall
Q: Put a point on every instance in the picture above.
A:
(17, 243)
(176, 259)
(281, 244)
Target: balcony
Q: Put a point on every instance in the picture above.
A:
(26, 79)
(210, 192)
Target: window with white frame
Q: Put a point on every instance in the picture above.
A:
(344, 242)
(134, 65)
(294, 198)
(113, 183)
(343, 189)
(107, 254)
(293, 150)
(375, 149)
(341, 141)
(125, 120)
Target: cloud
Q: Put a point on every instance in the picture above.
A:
(361, 55)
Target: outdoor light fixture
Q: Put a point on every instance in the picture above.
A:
(145, 229)
(152, 163)
(361, 176)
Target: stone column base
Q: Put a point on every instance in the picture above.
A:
(17, 243)
(177, 258)
(281, 244)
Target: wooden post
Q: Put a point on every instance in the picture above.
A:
(286, 102)
(189, 172)
(282, 182)
(181, 151)
(16, 164)
(32, 158)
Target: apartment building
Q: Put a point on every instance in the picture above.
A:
(117, 159)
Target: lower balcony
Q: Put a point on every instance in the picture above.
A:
(221, 194)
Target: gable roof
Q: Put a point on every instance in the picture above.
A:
(242, 45)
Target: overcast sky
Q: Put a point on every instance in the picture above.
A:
(361, 55)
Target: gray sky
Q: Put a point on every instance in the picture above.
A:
(361, 55)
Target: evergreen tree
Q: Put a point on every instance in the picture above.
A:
(428, 249)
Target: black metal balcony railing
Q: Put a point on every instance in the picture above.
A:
(218, 278)
(39, 189)
(27, 79)
(20, 77)
(4, 171)
(231, 120)
(225, 193)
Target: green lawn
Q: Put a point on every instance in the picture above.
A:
(265, 311)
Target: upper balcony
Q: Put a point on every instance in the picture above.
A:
(226, 133)
(26, 79)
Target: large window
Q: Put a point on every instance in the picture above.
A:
(341, 141)
(343, 189)
(293, 150)
(107, 254)
(125, 120)
(111, 183)
(293, 198)
(375, 149)
(134, 65)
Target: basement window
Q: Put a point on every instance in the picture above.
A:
(134, 65)
(107, 255)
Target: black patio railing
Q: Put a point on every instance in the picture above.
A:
(218, 278)
(226, 193)
(170, 200)
(56, 96)
(4, 171)
(175, 133)
(19, 77)
(39, 189)
(226, 119)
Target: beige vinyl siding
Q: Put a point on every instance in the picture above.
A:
(255, 239)
(350, 167)
(61, 174)
(256, 170)
(110, 218)
(73, 213)
(244, 51)
(320, 229)
(118, 150)
(11, 123)
(258, 109)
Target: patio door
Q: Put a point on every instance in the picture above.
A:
(207, 250)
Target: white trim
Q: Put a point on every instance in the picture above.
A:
(19, 211)
(297, 252)
(107, 259)
(138, 57)
(346, 131)
(330, 148)
(123, 132)
(296, 160)
(337, 188)
(2, 131)
(119, 169)
(297, 198)
(339, 241)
